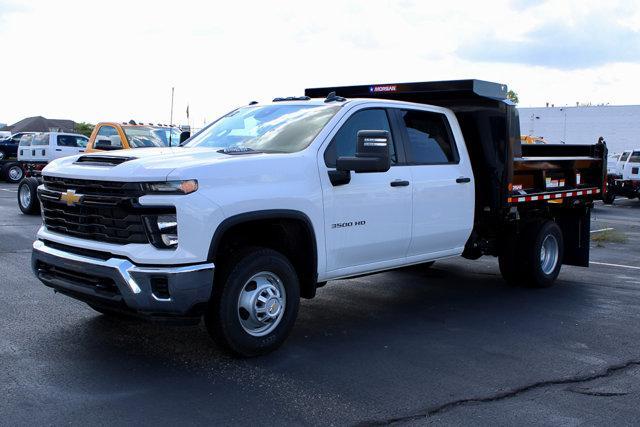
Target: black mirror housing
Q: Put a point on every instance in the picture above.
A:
(184, 136)
(372, 153)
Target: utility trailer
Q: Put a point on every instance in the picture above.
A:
(519, 187)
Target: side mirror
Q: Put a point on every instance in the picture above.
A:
(184, 136)
(105, 144)
(372, 153)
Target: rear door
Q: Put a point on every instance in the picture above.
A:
(368, 220)
(69, 145)
(441, 182)
(40, 147)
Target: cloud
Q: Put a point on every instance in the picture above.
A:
(524, 4)
(590, 42)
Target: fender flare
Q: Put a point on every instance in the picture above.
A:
(234, 220)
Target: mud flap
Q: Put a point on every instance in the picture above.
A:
(575, 224)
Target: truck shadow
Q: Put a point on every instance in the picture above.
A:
(405, 308)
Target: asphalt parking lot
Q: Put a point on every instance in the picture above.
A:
(448, 345)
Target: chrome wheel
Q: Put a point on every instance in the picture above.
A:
(261, 303)
(25, 196)
(15, 173)
(549, 254)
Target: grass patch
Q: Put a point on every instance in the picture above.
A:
(609, 236)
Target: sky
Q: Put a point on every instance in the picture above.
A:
(98, 61)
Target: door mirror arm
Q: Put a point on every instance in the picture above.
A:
(339, 177)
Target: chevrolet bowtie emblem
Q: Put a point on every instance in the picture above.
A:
(70, 197)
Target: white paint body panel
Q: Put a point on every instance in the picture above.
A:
(235, 184)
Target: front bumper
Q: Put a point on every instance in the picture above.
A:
(116, 283)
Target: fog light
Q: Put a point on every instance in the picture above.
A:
(163, 230)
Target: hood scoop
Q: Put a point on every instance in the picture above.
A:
(103, 160)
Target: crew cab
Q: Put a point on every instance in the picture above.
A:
(623, 177)
(271, 201)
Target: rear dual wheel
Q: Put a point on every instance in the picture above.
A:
(535, 257)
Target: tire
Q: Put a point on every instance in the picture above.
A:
(608, 198)
(13, 173)
(245, 315)
(28, 196)
(536, 258)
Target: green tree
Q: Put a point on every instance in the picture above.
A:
(513, 97)
(84, 128)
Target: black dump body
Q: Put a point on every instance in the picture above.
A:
(504, 169)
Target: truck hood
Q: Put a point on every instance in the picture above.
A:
(141, 164)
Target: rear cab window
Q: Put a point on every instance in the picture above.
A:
(428, 136)
(635, 157)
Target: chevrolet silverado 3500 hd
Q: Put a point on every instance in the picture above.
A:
(272, 200)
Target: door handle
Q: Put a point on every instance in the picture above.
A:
(463, 180)
(399, 183)
(58, 149)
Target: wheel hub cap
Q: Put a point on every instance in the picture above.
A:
(261, 303)
(15, 173)
(549, 254)
(25, 196)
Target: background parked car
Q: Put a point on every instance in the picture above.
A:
(34, 152)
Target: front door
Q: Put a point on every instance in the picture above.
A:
(368, 220)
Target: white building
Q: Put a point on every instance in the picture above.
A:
(618, 124)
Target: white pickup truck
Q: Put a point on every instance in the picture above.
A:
(272, 200)
(623, 176)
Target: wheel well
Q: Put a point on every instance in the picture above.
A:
(288, 233)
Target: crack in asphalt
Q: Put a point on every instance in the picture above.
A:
(509, 394)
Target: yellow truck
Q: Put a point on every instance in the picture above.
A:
(122, 136)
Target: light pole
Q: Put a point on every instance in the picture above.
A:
(171, 117)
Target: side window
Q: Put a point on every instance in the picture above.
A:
(25, 140)
(108, 137)
(67, 141)
(344, 142)
(429, 138)
(40, 139)
(625, 156)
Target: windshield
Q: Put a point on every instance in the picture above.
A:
(142, 136)
(269, 129)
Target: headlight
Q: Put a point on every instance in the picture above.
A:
(162, 230)
(171, 187)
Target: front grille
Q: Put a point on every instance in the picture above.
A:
(106, 211)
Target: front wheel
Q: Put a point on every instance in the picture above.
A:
(13, 173)
(255, 303)
(28, 196)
